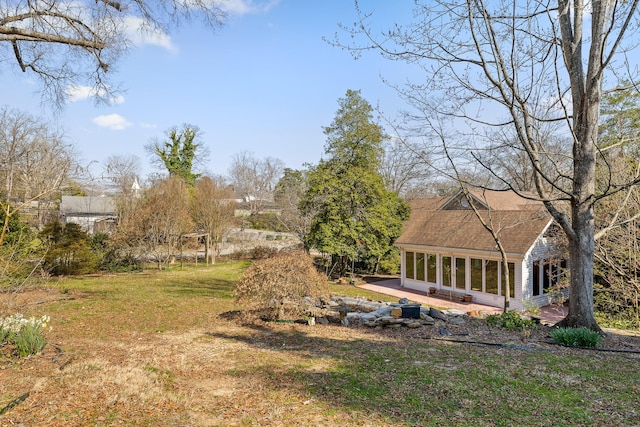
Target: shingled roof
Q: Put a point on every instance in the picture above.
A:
(445, 223)
(79, 205)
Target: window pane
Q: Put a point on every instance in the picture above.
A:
(536, 278)
(546, 276)
(460, 273)
(446, 271)
(420, 266)
(476, 274)
(409, 264)
(512, 278)
(492, 277)
(431, 268)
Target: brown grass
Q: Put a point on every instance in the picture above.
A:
(153, 349)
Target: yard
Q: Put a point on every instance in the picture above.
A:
(162, 349)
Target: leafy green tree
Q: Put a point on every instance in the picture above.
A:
(179, 152)
(354, 215)
(620, 122)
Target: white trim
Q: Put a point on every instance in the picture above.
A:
(447, 250)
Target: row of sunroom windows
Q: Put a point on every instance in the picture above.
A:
(485, 275)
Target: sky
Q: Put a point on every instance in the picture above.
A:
(265, 83)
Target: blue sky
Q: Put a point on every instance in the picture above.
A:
(265, 83)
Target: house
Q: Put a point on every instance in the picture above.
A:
(93, 214)
(445, 248)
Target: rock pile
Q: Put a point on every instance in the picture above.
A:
(353, 311)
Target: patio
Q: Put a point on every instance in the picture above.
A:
(550, 314)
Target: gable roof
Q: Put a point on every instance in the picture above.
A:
(440, 223)
(102, 205)
(493, 200)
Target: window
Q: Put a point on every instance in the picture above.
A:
(547, 276)
(536, 278)
(420, 266)
(432, 261)
(512, 280)
(446, 271)
(491, 277)
(476, 274)
(409, 263)
(461, 275)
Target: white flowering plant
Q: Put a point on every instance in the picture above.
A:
(25, 333)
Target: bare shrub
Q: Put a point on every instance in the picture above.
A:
(279, 285)
(263, 252)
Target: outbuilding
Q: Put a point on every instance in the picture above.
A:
(446, 248)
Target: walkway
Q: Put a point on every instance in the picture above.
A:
(548, 314)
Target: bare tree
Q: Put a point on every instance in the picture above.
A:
(155, 224)
(528, 62)
(35, 160)
(213, 210)
(405, 169)
(255, 180)
(121, 171)
(288, 193)
(73, 45)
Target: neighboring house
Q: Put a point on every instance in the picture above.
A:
(445, 246)
(93, 214)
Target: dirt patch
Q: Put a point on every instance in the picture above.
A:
(16, 301)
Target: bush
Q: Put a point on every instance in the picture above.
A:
(115, 260)
(390, 263)
(279, 285)
(25, 334)
(576, 337)
(510, 320)
(70, 251)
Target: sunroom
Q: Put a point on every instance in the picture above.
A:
(445, 249)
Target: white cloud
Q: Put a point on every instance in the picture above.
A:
(146, 125)
(80, 93)
(141, 34)
(113, 122)
(246, 7)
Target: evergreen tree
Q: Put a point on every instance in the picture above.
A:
(355, 216)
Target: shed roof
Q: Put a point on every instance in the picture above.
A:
(517, 221)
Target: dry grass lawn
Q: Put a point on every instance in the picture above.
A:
(152, 349)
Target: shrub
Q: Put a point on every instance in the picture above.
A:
(70, 251)
(576, 337)
(279, 285)
(25, 334)
(510, 320)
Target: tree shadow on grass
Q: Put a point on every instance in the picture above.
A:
(397, 377)
(381, 377)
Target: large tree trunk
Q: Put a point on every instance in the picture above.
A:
(586, 105)
(581, 311)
